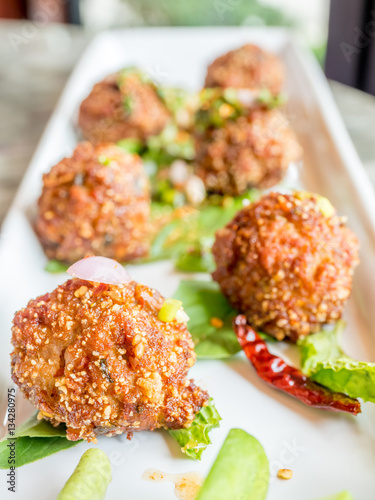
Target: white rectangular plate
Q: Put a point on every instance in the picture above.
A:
(327, 452)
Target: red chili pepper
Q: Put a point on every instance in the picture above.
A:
(279, 374)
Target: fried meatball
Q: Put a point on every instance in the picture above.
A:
(97, 358)
(95, 203)
(248, 67)
(253, 149)
(287, 263)
(123, 105)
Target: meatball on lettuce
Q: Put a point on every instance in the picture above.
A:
(241, 144)
(97, 357)
(123, 105)
(95, 203)
(287, 263)
(248, 67)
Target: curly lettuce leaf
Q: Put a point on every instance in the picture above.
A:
(203, 301)
(195, 439)
(323, 360)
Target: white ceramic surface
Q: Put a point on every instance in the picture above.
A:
(327, 452)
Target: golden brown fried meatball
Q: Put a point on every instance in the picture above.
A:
(248, 67)
(123, 105)
(251, 150)
(95, 203)
(287, 263)
(97, 358)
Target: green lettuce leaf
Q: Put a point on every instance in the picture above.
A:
(188, 240)
(33, 440)
(37, 439)
(195, 439)
(39, 428)
(323, 360)
(202, 301)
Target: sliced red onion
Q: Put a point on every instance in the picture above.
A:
(100, 270)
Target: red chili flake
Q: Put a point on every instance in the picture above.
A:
(286, 378)
(102, 287)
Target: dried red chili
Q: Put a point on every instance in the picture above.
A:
(286, 378)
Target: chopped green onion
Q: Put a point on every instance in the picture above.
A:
(55, 266)
(104, 160)
(325, 206)
(169, 310)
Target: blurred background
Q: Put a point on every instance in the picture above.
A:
(41, 40)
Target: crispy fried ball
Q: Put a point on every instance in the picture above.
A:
(97, 358)
(252, 150)
(248, 67)
(287, 263)
(123, 105)
(95, 203)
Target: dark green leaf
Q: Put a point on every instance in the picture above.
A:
(30, 449)
(40, 428)
(202, 301)
(35, 439)
(195, 439)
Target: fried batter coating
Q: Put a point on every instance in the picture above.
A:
(95, 203)
(252, 150)
(248, 67)
(97, 358)
(123, 105)
(287, 263)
